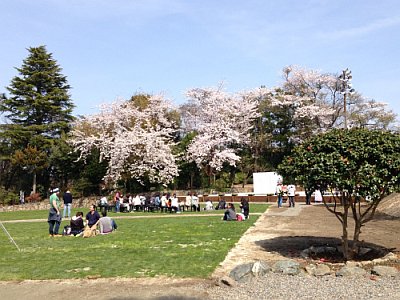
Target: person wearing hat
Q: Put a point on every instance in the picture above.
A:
(54, 218)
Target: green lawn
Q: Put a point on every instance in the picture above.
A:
(182, 247)
(42, 214)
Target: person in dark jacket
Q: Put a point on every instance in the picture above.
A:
(244, 205)
(67, 197)
(77, 224)
(92, 217)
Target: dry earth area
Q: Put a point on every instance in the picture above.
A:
(280, 233)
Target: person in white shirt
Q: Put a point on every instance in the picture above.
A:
(174, 203)
(164, 205)
(209, 205)
(188, 202)
(318, 196)
(137, 203)
(195, 203)
(291, 191)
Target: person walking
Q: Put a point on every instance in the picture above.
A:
(67, 197)
(54, 218)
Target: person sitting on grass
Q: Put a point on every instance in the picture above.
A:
(230, 213)
(209, 205)
(174, 204)
(77, 224)
(107, 224)
(221, 204)
(92, 217)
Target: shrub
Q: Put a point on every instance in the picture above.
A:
(33, 198)
(8, 197)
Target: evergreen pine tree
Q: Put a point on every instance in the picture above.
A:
(37, 111)
(39, 108)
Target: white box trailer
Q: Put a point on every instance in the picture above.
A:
(264, 183)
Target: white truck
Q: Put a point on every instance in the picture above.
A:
(264, 183)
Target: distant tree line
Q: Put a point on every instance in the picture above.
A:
(214, 140)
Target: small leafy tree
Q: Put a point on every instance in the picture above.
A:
(358, 163)
(32, 160)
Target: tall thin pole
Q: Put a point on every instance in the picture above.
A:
(9, 236)
(345, 109)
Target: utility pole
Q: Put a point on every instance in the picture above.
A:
(346, 88)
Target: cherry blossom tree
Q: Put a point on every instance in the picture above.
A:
(134, 139)
(222, 122)
(319, 97)
(368, 113)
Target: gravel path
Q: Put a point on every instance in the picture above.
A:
(284, 222)
(275, 286)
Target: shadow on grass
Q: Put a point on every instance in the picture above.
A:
(292, 246)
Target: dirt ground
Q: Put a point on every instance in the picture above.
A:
(278, 234)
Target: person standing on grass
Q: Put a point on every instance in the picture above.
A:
(117, 201)
(67, 197)
(244, 205)
(164, 205)
(54, 218)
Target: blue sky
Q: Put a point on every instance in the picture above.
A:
(117, 48)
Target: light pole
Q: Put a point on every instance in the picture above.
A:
(346, 88)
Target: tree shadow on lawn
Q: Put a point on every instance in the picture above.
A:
(292, 246)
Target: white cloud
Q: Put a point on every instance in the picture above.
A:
(362, 30)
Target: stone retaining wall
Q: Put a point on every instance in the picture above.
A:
(45, 205)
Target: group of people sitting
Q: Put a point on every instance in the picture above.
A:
(230, 213)
(92, 225)
(164, 202)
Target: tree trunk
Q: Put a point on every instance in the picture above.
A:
(345, 238)
(356, 237)
(34, 183)
(232, 177)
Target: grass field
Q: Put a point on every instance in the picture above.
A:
(42, 214)
(173, 246)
